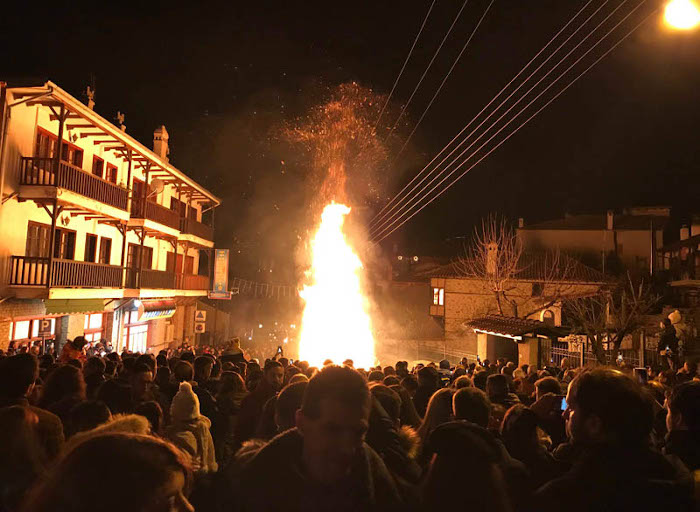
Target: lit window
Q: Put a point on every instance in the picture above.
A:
(21, 330)
(438, 296)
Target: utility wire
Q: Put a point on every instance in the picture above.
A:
(405, 144)
(527, 120)
(379, 215)
(396, 82)
(449, 31)
(403, 206)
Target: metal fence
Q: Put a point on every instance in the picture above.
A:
(580, 354)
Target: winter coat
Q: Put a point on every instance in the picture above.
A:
(684, 444)
(49, 427)
(668, 339)
(69, 352)
(251, 412)
(275, 480)
(193, 437)
(611, 479)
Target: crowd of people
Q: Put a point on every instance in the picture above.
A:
(221, 432)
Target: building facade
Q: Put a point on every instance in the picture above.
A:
(99, 235)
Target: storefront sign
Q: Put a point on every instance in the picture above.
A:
(221, 270)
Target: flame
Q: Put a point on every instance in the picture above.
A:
(682, 14)
(335, 324)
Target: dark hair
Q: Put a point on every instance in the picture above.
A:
(153, 413)
(231, 382)
(391, 380)
(117, 396)
(624, 410)
(79, 342)
(410, 383)
(202, 364)
(94, 364)
(183, 371)
(17, 374)
(161, 360)
(519, 431)
(62, 382)
(141, 368)
(473, 405)
(548, 385)
(113, 457)
(269, 365)
(479, 379)
(497, 386)
(389, 400)
(462, 382)
(149, 360)
(339, 383)
(375, 376)
(187, 356)
(88, 415)
(439, 411)
(288, 402)
(685, 400)
(409, 415)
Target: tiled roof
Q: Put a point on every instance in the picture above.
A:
(534, 267)
(598, 222)
(514, 327)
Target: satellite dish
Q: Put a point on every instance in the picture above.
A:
(157, 185)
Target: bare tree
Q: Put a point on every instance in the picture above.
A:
(611, 316)
(496, 257)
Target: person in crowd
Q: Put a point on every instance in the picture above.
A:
(153, 412)
(94, 375)
(428, 379)
(375, 376)
(18, 375)
(141, 381)
(408, 414)
(287, 404)
(668, 345)
(472, 405)
(86, 416)
(161, 483)
(499, 392)
(63, 390)
(73, 350)
(299, 377)
(467, 463)
(547, 385)
(479, 379)
(439, 411)
(117, 396)
(189, 430)
(611, 417)
(323, 462)
(203, 366)
(683, 424)
(462, 382)
(22, 461)
(253, 404)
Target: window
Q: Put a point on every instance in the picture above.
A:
(64, 244)
(147, 257)
(135, 337)
(90, 247)
(38, 240)
(132, 256)
(46, 143)
(72, 154)
(111, 174)
(105, 250)
(93, 327)
(438, 296)
(98, 166)
(28, 330)
(178, 206)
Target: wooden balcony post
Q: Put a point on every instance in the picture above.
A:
(175, 265)
(129, 155)
(54, 210)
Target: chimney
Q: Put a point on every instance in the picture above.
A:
(685, 232)
(610, 220)
(521, 223)
(160, 142)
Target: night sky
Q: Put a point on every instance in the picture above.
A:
(220, 76)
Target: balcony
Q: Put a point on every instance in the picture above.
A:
(192, 282)
(157, 279)
(144, 209)
(32, 271)
(41, 172)
(192, 227)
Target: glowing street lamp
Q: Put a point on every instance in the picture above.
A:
(682, 14)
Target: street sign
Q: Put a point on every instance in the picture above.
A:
(220, 270)
(45, 327)
(200, 315)
(219, 295)
(199, 328)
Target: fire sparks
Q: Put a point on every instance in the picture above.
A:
(336, 324)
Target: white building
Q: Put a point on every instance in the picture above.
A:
(99, 235)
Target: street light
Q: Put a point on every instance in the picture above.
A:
(682, 14)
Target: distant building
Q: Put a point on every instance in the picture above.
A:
(681, 264)
(633, 237)
(99, 235)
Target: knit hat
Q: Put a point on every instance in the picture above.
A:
(185, 404)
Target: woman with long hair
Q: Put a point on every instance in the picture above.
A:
(439, 411)
(148, 473)
(64, 389)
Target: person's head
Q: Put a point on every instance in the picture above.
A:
(439, 411)
(547, 385)
(231, 382)
(462, 382)
(274, 375)
(465, 457)
(287, 404)
(185, 404)
(183, 372)
(149, 360)
(141, 381)
(349, 362)
(21, 457)
(161, 483)
(519, 431)
(428, 377)
(471, 404)
(409, 414)
(479, 379)
(117, 396)
(153, 413)
(496, 386)
(391, 380)
(94, 366)
(684, 407)
(163, 376)
(606, 407)
(565, 363)
(202, 368)
(299, 377)
(79, 342)
(161, 360)
(410, 384)
(333, 420)
(18, 375)
(88, 415)
(375, 376)
(64, 381)
(187, 356)
(390, 402)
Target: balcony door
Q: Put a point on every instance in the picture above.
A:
(177, 268)
(38, 240)
(137, 204)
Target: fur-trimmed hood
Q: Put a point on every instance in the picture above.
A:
(120, 423)
(410, 441)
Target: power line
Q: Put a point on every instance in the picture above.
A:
(379, 215)
(403, 206)
(405, 62)
(405, 144)
(449, 31)
(526, 121)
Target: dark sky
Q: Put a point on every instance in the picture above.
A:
(219, 75)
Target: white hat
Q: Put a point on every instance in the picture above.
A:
(185, 404)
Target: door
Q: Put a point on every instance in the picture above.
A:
(132, 266)
(137, 200)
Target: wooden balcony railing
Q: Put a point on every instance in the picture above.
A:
(193, 227)
(157, 279)
(40, 171)
(30, 271)
(141, 209)
(192, 282)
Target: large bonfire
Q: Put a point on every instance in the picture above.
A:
(343, 145)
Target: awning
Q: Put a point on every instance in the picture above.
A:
(155, 309)
(70, 306)
(515, 328)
